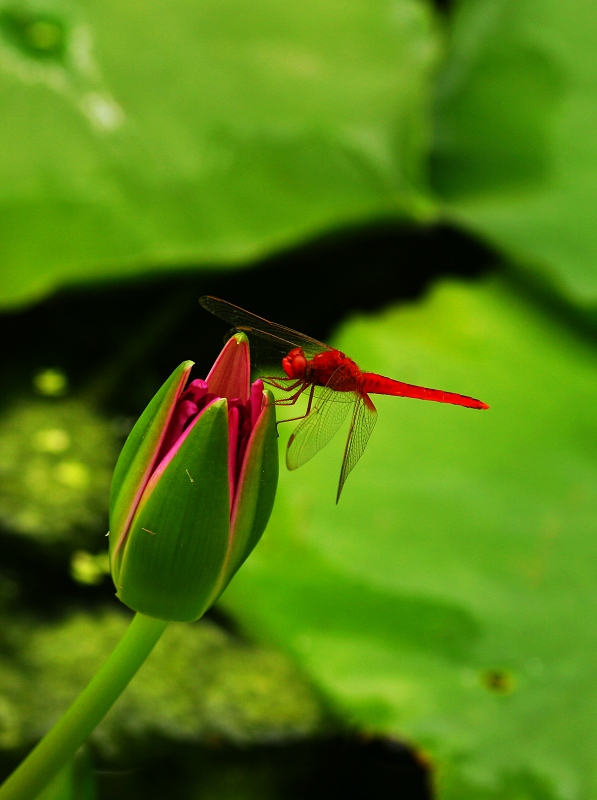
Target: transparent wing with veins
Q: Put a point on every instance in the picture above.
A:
(280, 338)
(361, 428)
(322, 422)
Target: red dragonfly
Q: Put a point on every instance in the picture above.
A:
(335, 385)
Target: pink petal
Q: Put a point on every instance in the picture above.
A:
(187, 407)
(231, 374)
(246, 450)
(256, 401)
(195, 391)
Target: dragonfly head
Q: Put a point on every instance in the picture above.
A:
(295, 363)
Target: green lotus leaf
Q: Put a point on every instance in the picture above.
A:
(515, 155)
(181, 134)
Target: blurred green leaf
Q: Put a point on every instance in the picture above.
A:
(177, 134)
(449, 598)
(515, 150)
(200, 684)
(56, 461)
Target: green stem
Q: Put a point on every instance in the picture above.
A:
(64, 739)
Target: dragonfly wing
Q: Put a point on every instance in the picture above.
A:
(323, 421)
(361, 428)
(283, 339)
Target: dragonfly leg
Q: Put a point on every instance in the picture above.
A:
(282, 383)
(290, 401)
(294, 399)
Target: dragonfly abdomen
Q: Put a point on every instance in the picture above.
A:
(378, 384)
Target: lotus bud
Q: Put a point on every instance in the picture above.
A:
(193, 488)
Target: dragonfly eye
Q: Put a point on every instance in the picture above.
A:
(295, 363)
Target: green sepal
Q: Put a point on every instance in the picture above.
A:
(138, 456)
(256, 492)
(178, 539)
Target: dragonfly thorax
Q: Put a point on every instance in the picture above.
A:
(324, 365)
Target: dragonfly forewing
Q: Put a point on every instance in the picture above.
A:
(281, 339)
